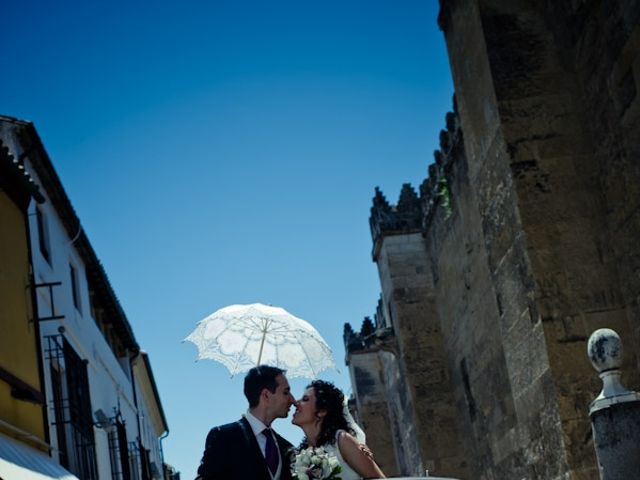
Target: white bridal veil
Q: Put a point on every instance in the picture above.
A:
(359, 433)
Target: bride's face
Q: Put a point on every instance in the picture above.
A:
(305, 409)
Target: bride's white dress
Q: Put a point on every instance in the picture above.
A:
(347, 472)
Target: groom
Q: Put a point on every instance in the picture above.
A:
(248, 449)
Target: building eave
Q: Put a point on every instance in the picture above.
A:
(154, 387)
(15, 178)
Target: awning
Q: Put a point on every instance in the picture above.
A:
(18, 461)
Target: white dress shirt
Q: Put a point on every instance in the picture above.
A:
(258, 427)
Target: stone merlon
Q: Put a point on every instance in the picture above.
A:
(400, 219)
(370, 337)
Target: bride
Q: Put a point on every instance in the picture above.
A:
(326, 422)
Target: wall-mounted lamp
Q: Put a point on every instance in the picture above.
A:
(102, 421)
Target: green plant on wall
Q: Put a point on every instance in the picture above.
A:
(444, 193)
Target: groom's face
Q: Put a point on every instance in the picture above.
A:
(281, 400)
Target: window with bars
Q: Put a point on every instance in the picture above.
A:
(75, 287)
(58, 414)
(146, 465)
(71, 405)
(124, 455)
(135, 462)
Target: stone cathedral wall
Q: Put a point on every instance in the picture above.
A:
(540, 106)
(521, 242)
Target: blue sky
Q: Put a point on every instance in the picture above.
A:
(222, 152)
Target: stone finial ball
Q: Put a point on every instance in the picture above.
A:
(605, 350)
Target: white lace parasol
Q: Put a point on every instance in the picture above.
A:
(243, 336)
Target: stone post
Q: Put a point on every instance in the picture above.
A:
(615, 414)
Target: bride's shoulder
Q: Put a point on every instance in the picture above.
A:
(343, 438)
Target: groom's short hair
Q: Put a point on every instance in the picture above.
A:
(259, 378)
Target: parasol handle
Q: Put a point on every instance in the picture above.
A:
(264, 334)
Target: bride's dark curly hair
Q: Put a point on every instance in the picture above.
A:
(329, 398)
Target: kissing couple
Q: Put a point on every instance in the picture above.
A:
(250, 450)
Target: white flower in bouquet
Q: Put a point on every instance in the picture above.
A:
(316, 464)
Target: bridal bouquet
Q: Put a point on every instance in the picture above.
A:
(315, 464)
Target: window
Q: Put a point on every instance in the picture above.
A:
(124, 455)
(93, 310)
(72, 408)
(43, 235)
(59, 417)
(75, 291)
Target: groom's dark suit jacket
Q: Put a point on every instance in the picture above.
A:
(232, 452)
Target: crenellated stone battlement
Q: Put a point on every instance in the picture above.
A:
(414, 211)
(434, 190)
(400, 219)
(376, 333)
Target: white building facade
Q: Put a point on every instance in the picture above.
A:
(88, 346)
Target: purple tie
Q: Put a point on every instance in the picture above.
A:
(271, 452)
